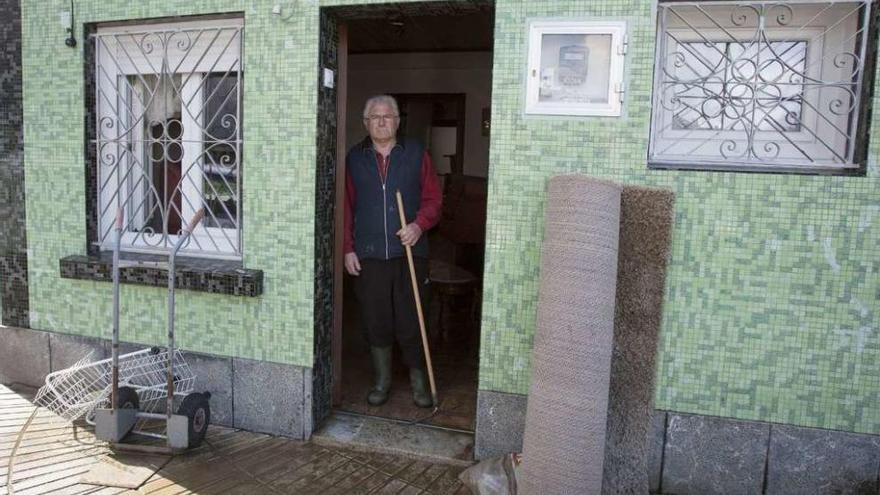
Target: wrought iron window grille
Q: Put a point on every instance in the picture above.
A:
(169, 138)
(761, 85)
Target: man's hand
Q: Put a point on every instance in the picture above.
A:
(410, 234)
(352, 265)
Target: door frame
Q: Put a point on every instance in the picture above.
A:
(339, 211)
(341, 89)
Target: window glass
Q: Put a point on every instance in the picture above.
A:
(720, 78)
(222, 167)
(575, 68)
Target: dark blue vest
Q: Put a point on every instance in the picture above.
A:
(376, 220)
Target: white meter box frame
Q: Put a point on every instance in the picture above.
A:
(575, 68)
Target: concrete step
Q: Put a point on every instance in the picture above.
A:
(418, 441)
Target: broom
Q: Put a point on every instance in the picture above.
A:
(415, 286)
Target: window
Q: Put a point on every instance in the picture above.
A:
(771, 86)
(169, 137)
(575, 68)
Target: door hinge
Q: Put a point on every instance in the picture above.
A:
(624, 46)
(620, 89)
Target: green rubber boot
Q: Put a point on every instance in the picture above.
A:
(419, 382)
(382, 368)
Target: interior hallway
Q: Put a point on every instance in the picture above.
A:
(455, 356)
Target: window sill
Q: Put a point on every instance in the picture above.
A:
(202, 275)
(857, 171)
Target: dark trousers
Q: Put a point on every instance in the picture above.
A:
(388, 309)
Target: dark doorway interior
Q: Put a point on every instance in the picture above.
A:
(436, 59)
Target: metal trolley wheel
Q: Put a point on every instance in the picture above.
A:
(127, 398)
(197, 408)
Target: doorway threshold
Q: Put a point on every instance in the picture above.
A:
(372, 434)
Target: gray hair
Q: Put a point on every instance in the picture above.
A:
(375, 100)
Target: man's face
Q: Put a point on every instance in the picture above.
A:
(382, 122)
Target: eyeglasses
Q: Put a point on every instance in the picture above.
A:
(377, 118)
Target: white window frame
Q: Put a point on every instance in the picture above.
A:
(614, 105)
(221, 54)
(700, 149)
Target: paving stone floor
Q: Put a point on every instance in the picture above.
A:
(51, 456)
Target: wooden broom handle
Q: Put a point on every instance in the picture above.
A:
(415, 286)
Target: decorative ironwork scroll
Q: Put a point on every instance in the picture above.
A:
(759, 84)
(169, 135)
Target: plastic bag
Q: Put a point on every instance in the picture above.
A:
(496, 476)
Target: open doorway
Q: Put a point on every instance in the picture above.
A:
(435, 58)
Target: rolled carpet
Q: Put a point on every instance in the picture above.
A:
(564, 439)
(646, 226)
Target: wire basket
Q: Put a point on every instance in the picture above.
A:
(76, 392)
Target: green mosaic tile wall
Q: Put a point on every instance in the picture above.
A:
(278, 170)
(772, 301)
(772, 307)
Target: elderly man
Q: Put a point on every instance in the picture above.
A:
(376, 168)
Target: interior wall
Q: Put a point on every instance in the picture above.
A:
(447, 72)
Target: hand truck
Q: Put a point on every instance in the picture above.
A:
(186, 428)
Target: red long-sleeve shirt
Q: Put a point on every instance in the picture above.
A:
(429, 208)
